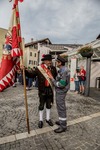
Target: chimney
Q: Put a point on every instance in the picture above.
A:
(32, 40)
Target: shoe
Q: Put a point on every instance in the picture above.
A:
(49, 122)
(27, 88)
(14, 85)
(57, 122)
(60, 130)
(40, 124)
(76, 92)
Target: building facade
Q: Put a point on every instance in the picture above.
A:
(30, 57)
(2, 40)
(35, 49)
(32, 52)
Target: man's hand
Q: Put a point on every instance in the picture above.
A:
(22, 67)
(50, 77)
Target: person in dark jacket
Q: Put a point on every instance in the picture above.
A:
(45, 90)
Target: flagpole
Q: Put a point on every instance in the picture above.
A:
(24, 78)
(25, 94)
(22, 62)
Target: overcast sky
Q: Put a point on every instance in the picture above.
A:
(62, 21)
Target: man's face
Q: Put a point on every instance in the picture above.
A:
(58, 63)
(48, 62)
(82, 67)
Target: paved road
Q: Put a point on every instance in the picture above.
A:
(83, 123)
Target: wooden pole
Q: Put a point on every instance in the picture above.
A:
(25, 94)
(24, 79)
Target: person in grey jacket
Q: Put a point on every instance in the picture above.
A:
(61, 84)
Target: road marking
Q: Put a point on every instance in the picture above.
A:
(24, 135)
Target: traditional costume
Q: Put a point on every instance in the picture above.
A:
(45, 88)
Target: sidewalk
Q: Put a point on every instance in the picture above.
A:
(95, 93)
(83, 123)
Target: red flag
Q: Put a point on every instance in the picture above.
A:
(11, 52)
(21, 0)
(16, 51)
(7, 71)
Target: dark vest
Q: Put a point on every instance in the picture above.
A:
(41, 78)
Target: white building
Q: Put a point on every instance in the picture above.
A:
(35, 49)
(95, 60)
(33, 52)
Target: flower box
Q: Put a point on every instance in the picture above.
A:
(86, 51)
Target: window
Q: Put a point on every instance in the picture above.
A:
(30, 53)
(3, 46)
(35, 46)
(35, 55)
(31, 62)
(35, 62)
(31, 46)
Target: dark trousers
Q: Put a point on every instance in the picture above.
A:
(46, 98)
(30, 80)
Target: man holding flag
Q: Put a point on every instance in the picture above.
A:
(45, 87)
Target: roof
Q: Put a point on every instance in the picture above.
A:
(98, 37)
(3, 29)
(63, 46)
(96, 59)
(96, 46)
(46, 40)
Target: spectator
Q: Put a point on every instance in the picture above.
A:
(82, 81)
(76, 80)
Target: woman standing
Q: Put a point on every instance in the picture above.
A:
(76, 80)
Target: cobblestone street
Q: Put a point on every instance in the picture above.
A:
(83, 116)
